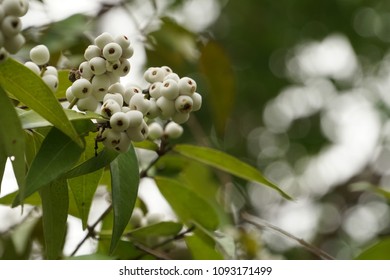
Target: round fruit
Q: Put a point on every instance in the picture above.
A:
(40, 54)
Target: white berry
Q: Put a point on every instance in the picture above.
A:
(155, 131)
(135, 118)
(40, 54)
(117, 97)
(81, 88)
(92, 51)
(98, 65)
(169, 89)
(51, 81)
(87, 104)
(109, 108)
(173, 130)
(33, 67)
(187, 86)
(11, 26)
(184, 103)
(103, 39)
(119, 121)
(112, 51)
(197, 101)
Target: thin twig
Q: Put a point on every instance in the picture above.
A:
(264, 224)
(91, 230)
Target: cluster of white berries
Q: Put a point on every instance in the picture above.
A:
(11, 40)
(40, 57)
(128, 110)
(174, 97)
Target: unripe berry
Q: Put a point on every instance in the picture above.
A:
(123, 41)
(3, 55)
(40, 54)
(103, 39)
(154, 90)
(51, 81)
(33, 67)
(15, 43)
(124, 68)
(197, 101)
(130, 92)
(154, 74)
(97, 65)
(81, 88)
(167, 70)
(180, 118)
(155, 131)
(172, 76)
(69, 94)
(15, 7)
(138, 102)
(51, 70)
(128, 52)
(92, 51)
(109, 108)
(100, 85)
(154, 110)
(167, 107)
(85, 70)
(87, 104)
(11, 26)
(111, 138)
(124, 143)
(135, 118)
(113, 65)
(169, 89)
(184, 103)
(139, 133)
(117, 97)
(173, 130)
(112, 51)
(119, 121)
(187, 86)
(116, 88)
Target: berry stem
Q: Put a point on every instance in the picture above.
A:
(74, 101)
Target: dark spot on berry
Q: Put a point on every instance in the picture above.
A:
(85, 90)
(126, 69)
(111, 51)
(154, 73)
(115, 66)
(136, 90)
(92, 68)
(120, 123)
(166, 85)
(143, 131)
(108, 112)
(15, 23)
(2, 56)
(101, 89)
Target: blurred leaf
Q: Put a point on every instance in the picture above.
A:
(12, 139)
(147, 145)
(30, 119)
(55, 203)
(84, 187)
(30, 89)
(202, 248)
(9, 199)
(22, 235)
(66, 33)
(217, 70)
(188, 205)
(124, 184)
(3, 161)
(63, 83)
(172, 45)
(226, 163)
(57, 155)
(379, 251)
(94, 163)
(33, 143)
(158, 229)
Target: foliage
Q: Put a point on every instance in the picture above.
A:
(59, 162)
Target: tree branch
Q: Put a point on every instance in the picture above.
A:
(260, 223)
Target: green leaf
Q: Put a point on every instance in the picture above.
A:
(217, 69)
(226, 163)
(84, 187)
(10, 198)
(57, 155)
(31, 119)
(378, 251)
(63, 83)
(30, 89)
(124, 183)
(93, 257)
(3, 161)
(55, 203)
(159, 229)
(188, 205)
(12, 139)
(103, 158)
(202, 248)
(147, 145)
